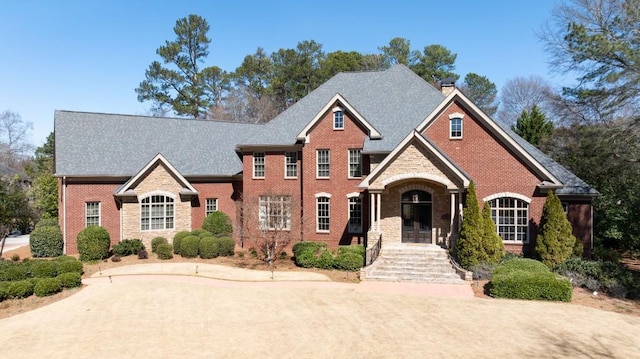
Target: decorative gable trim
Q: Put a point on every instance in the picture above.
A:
(494, 128)
(338, 101)
(507, 194)
(416, 136)
(126, 191)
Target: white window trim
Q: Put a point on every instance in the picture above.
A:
(264, 164)
(285, 164)
(284, 201)
(99, 212)
(328, 203)
(318, 163)
(335, 110)
(507, 194)
(206, 205)
(451, 137)
(349, 163)
(175, 207)
(525, 240)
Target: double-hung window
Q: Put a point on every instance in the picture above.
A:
(156, 213)
(338, 120)
(92, 214)
(355, 215)
(211, 206)
(322, 214)
(322, 160)
(274, 213)
(455, 127)
(258, 165)
(355, 163)
(511, 216)
(291, 164)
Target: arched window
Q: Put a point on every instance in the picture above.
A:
(156, 213)
(511, 216)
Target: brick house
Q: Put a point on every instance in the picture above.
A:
(365, 157)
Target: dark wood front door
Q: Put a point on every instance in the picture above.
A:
(416, 217)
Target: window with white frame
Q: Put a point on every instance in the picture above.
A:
(92, 214)
(156, 213)
(322, 214)
(258, 165)
(355, 163)
(210, 206)
(355, 215)
(291, 164)
(322, 160)
(274, 212)
(338, 120)
(511, 216)
(455, 125)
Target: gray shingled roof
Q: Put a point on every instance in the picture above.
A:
(392, 101)
(97, 144)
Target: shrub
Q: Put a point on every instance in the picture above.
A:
(529, 279)
(155, 242)
(253, 252)
(14, 271)
(218, 223)
(609, 277)
(93, 243)
(70, 280)
(142, 254)
(306, 253)
(209, 247)
(349, 261)
(482, 271)
(4, 291)
(165, 251)
(47, 222)
(177, 240)
(15, 257)
(492, 242)
(226, 246)
(43, 268)
(189, 246)
(469, 250)
(47, 286)
(555, 242)
(241, 254)
(46, 241)
(116, 258)
(201, 233)
(20, 289)
(128, 247)
(68, 265)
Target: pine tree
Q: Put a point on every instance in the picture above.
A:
(533, 126)
(555, 242)
(469, 248)
(493, 245)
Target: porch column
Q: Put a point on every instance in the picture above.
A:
(372, 209)
(379, 202)
(453, 214)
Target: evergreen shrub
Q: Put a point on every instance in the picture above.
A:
(201, 233)
(555, 242)
(68, 264)
(20, 289)
(14, 271)
(46, 241)
(177, 240)
(226, 246)
(128, 247)
(48, 222)
(43, 268)
(93, 243)
(218, 223)
(70, 279)
(155, 242)
(45, 287)
(164, 251)
(208, 247)
(529, 279)
(189, 246)
(306, 253)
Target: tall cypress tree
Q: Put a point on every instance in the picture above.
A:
(493, 245)
(469, 249)
(555, 242)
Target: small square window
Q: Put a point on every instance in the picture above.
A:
(338, 120)
(455, 128)
(211, 206)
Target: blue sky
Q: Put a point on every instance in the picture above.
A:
(91, 55)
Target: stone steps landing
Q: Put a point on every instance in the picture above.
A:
(412, 263)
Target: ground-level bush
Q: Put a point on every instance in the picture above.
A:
(47, 286)
(218, 223)
(46, 241)
(68, 264)
(157, 241)
(529, 279)
(93, 243)
(177, 240)
(310, 254)
(43, 268)
(226, 246)
(47, 222)
(348, 261)
(201, 233)
(307, 252)
(208, 247)
(164, 251)
(20, 289)
(128, 247)
(189, 246)
(14, 271)
(609, 277)
(70, 280)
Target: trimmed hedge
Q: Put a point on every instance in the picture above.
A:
(218, 223)
(47, 222)
(310, 254)
(20, 289)
(306, 253)
(45, 287)
(157, 241)
(226, 246)
(43, 268)
(69, 265)
(177, 240)
(70, 280)
(189, 246)
(46, 241)
(14, 271)
(93, 243)
(201, 233)
(209, 248)
(526, 279)
(350, 258)
(128, 247)
(165, 251)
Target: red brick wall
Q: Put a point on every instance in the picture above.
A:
(338, 142)
(492, 166)
(77, 194)
(579, 215)
(226, 193)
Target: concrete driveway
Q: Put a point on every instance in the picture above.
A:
(15, 241)
(170, 316)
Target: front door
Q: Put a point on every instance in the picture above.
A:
(416, 217)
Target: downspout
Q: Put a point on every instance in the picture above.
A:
(64, 211)
(591, 225)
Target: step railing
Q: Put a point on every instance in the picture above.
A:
(372, 252)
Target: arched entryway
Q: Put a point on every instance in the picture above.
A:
(416, 217)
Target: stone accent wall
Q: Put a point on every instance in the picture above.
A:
(158, 181)
(390, 212)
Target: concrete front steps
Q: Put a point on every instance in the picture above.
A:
(420, 263)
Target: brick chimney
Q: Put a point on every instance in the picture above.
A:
(447, 85)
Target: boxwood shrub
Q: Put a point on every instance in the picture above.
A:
(189, 246)
(47, 222)
(209, 247)
(310, 254)
(68, 265)
(93, 243)
(218, 223)
(46, 241)
(47, 286)
(177, 240)
(128, 247)
(70, 280)
(165, 251)
(43, 268)
(525, 279)
(155, 242)
(14, 271)
(306, 253)
(201, 233)
(226, 246)
(349, 258)
(20, 289)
